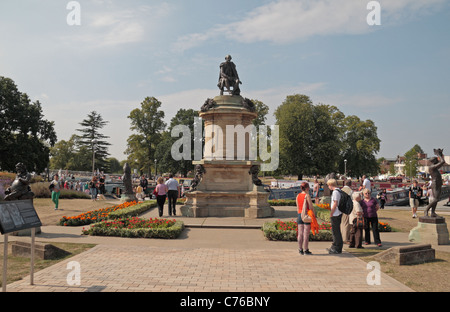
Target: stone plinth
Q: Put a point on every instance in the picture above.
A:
(41, 251)
(407, 255)
(227, 188)
(430, 230)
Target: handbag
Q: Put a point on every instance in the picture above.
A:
(360, 222)
(305, 217)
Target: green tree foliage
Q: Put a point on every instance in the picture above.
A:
(360, 145)
(412, 160)
(148, 124)
(25, 135)
(309, 136)
(315, 139)
(166, 162)
(90, 133)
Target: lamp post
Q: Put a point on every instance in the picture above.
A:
(155, 168)
(94, 145)
(345, 167)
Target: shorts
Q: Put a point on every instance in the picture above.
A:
(414, 203)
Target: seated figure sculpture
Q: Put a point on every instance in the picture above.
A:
(20, 188)
(229, 77)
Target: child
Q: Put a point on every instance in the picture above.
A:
(356, 232)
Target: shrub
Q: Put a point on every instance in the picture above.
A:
(41, 190)
(104, 214)
(287, 231)
(282, 202)
(137, 228)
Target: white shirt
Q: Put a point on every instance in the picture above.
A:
(336, 196)
(172, 184)
(366, 184)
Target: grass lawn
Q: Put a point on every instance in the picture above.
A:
(19, 267)
(426, 277)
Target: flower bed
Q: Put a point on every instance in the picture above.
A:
(287, 231)
(117, 211)
(137, 228)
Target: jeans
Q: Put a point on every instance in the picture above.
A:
(172, 195)
(55, 198)
(160, 199)
(94, 193)
(371, 222)
(336, 231)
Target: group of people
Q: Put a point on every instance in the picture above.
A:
(169, 189)
(348, 228)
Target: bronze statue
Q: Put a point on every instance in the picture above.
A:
(199, 171)
(254, 171)
(20, 188)
(436, 183)
(209, 104)
(229, 77)
(126, 178)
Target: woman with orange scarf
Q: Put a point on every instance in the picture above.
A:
(306, 219)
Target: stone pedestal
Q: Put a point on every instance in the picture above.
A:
(430, 230)
(227, 188)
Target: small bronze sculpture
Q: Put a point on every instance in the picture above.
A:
(229, 77)
(126, 178)
(209, 104)
(199, 171)
(436, 184)
(248, 104)
(254, 170)
(20, 188)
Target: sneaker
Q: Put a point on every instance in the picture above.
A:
(301, 251)
(307, 252)
(414, 216)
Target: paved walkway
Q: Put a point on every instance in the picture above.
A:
(212, 255)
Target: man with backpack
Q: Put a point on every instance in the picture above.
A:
(336, 217)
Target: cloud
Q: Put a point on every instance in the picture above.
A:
(286, 21)
(110, 25)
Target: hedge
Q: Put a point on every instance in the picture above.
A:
(272, 233)
(165, 229)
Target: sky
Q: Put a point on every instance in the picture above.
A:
(396, 74)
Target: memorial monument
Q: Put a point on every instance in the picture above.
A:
(129, 195)
(226, 180)
(431, 227)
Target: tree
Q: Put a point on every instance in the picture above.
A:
(412, 160)
(185, 117)
(69, 155)
(25, 136)
(309, 136)
(360, 145)
(262, 110)
(92, 139)
(114, 165)
(149, 125)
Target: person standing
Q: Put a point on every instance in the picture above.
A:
(345, 222)
(304, 205)
(382, 197)
(357, 222)
(56, 190)
(370, 207)
(172, 194)
(161, 191)
(144, 184)
(316, 189)
(336, 217)
(93, 188)
(366, 183)
(415, 193)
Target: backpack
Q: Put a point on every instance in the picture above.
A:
(51, 186)
(345, 203)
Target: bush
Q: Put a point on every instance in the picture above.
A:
(86, 218)
(287, 231)
(41, 190)
(137, 228)
(282, 202)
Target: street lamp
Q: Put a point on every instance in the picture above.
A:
(345, 167)
(155, 168)
(94, 145)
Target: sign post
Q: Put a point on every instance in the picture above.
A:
(16, 216)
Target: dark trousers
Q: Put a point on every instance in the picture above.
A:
(173, 196)
(356, 236)
(371, 223)
(337, 235)
(160, 199)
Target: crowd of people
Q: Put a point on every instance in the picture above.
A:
(346, 228)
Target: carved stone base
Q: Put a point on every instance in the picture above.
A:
(430, 230)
